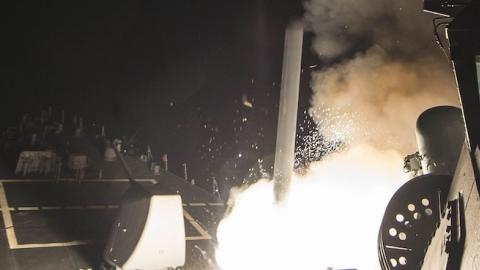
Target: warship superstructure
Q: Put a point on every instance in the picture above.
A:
(431, 222)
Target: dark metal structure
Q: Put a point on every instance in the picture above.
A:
(410, 220)
(440, 135)
(447, 239)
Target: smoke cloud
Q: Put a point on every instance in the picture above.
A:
(376, 100)
(386, 71)
(399, 27)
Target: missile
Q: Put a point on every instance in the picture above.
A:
(287, 115)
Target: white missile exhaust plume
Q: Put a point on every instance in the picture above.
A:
(380, 71)
(330, 218)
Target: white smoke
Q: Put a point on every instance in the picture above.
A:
(343, 26)
(376, 100)
(387, 71)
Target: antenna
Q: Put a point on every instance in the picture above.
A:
(124, 164)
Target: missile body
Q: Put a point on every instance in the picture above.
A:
(287, 116)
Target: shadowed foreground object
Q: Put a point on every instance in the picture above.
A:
(410, 220)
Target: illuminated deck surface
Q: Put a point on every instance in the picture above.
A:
(64, 225)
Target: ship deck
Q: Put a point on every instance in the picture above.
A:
(48, 224)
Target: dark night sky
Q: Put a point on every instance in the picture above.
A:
(124, 63)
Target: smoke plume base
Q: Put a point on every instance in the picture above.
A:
(331, 211)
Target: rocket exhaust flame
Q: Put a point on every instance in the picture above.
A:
(329, 219)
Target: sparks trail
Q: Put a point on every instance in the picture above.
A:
(311, 145)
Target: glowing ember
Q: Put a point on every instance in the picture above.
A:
(330, 219)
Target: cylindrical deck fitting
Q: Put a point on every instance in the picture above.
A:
(440, 136)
